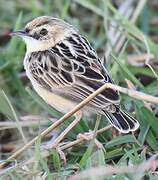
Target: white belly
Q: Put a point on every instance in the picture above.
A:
(56, 101)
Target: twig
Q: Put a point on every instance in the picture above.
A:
(135, 94)
(132, 93)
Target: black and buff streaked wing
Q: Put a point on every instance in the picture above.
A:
(73, 63)
(72, 67)
(87, 71)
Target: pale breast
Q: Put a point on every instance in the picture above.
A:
(56, 101)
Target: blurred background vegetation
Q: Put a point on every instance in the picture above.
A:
(129, 42)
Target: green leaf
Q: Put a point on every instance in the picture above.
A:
(4, 107)
(90, 6)
(100, 157)
(37, 154)
(142, 70)
(87, 154)
(127, 153)
(151, 140)
(96, 159)
(120, 140)
(56, 160)
(151, 119)
(13, 113)
(128, 72)
(45, 168)
(144, 127)
(114, 154)
(13, 43)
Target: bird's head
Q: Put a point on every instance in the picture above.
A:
(44, 32)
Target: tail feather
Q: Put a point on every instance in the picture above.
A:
(122, 121)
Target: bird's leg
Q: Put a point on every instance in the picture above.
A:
(89, 136)
(92, 134)
(67, 130)
(54, 133)
(55, 143)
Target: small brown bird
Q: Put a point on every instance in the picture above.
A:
(64, 69)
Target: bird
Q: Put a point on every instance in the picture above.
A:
(64, 69)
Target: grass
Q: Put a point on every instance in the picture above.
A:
(17, 99)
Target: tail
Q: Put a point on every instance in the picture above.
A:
(122, 121)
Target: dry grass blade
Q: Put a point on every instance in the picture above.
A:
(139, 59)
(104, 171)
(132, 93)
(45, 153)
(15, 117)
(10, 124)
(148, 56)
(127, 10)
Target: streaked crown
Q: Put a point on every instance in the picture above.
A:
(44, 32)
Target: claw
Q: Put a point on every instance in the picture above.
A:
(58, 149)
(61, 154)
(89, 136)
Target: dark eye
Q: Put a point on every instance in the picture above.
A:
(27, 30)
(43, 32)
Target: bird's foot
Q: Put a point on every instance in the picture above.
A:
(89, 136)
(54, 145)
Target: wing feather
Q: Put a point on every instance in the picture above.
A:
(73, 63)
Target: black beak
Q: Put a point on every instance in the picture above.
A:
(19, 33)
